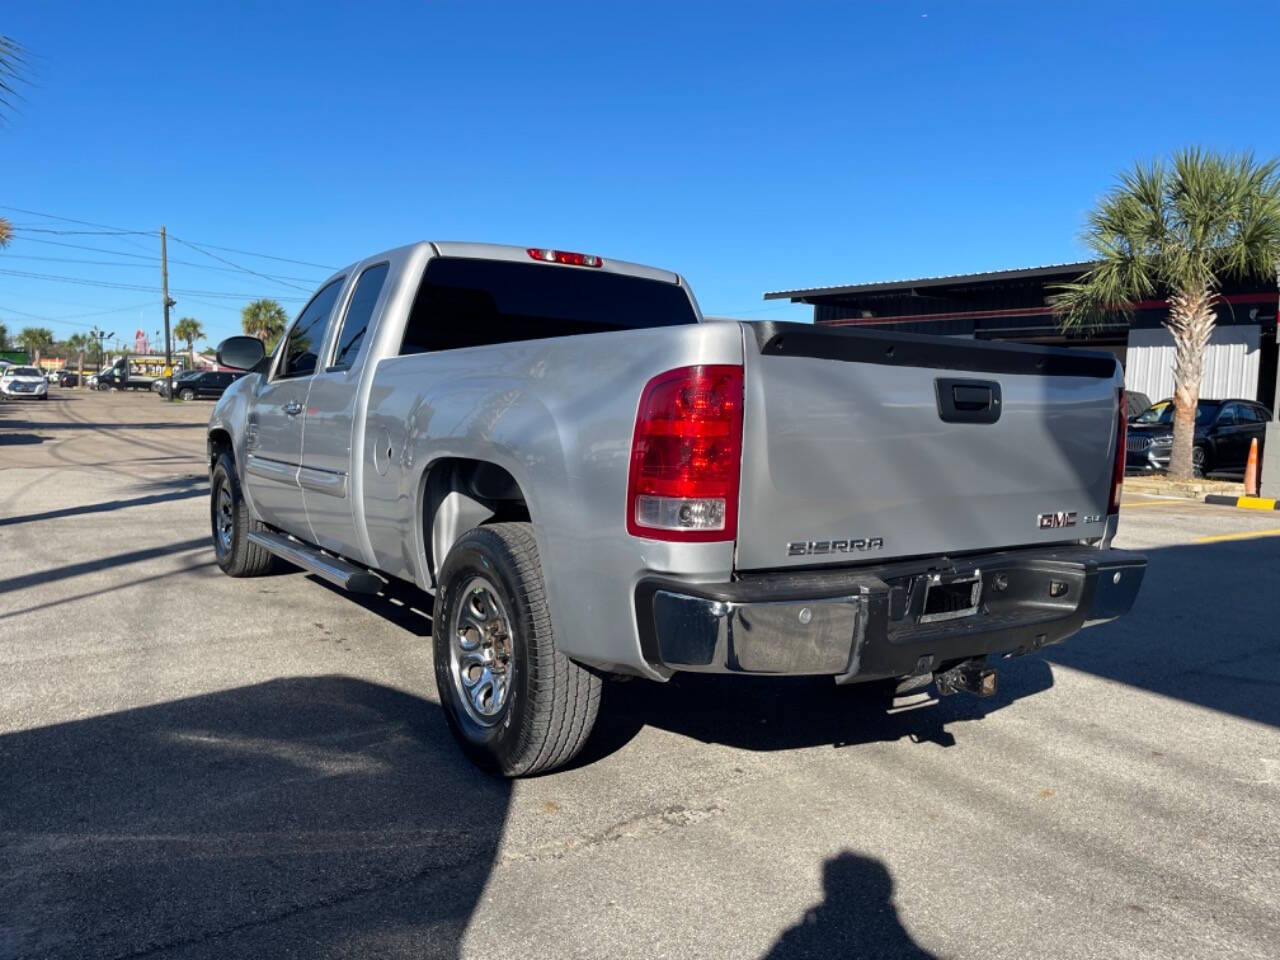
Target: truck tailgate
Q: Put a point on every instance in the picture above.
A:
(861, 446)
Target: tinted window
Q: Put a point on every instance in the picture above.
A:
(1248, 414)
(305, 336)
(1162, 413)
(359, 313)
(1228, 415)
(468, 303)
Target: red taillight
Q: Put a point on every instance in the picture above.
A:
(686, 456)
(565, 256)
(1117, 471)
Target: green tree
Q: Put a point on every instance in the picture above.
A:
(1178, 231)
(190, 330)
(264, 319)
(35, 339)
(4, 337)
(77, 344)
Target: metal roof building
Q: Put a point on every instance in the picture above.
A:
(1013, 305)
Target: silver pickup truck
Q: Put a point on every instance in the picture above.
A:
(592, 481)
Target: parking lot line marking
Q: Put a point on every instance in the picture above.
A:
(1247, 535)
(1158, 503)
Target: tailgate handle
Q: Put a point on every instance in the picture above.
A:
(967, 401)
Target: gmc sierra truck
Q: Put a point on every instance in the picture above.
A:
(592, 480)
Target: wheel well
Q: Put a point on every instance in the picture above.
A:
(460, 494)
(219, 440)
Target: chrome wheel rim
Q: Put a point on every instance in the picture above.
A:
(224, 518)
(480, 652)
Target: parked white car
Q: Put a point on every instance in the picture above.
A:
(23, 383)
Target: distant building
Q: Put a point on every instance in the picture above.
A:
(1011, 305)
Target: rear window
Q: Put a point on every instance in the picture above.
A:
(471, 303)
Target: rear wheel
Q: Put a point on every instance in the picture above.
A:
(516, 704)
(232, 522)
(1199, 460)
(187, 394)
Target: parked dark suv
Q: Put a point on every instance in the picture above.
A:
(1224, 429)
(205, 385)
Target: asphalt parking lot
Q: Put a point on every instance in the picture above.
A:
(192, 766)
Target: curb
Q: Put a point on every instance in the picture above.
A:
(1245, 503)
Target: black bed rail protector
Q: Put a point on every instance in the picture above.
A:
(777, 339)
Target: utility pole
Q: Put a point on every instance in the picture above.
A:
(164, 283)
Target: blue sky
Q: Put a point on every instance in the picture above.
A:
(750, 147)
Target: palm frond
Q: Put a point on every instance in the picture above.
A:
(13, 63)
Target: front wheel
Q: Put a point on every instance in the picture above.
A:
(231, 520)
(517, 705)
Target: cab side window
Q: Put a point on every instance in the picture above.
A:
(1228, 416)
(303, 342)
(359, 313)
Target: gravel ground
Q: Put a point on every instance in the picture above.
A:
(192, 766)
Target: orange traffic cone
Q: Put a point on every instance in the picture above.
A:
(1251, 470)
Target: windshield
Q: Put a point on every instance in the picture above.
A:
(1162, 413)
(23, 372)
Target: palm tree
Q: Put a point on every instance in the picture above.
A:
(33, 340)
(11, 63)
(189, 329)
(1178, 231)
(78, 343)
(11, 59)
(264, 319)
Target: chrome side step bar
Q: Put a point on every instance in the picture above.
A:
(314, 560)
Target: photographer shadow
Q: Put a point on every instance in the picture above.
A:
(856, 918)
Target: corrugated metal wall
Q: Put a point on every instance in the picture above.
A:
(1230, 368)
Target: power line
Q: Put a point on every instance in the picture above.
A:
(264, 276)
(125, 230)
(83, 223)
(85, 281)
(267, 256)
(149, 258)
(68, 320)
(111, 233)
(99, 263)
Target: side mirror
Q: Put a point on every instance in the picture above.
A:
(241, 353)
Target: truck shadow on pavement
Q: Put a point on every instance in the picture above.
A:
(1202, 630)
(856, 919)
(776, 713)
(300, 817)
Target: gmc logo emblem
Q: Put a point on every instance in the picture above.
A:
(1051, 521)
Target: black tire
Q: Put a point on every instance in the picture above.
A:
(1200, 460)
(235, 554)
(187, 395)
(551, 703)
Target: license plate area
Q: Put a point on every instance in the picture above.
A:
(950, 598)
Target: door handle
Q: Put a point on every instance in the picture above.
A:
(293, 408)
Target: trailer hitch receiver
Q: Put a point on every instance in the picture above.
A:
(969, 677)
